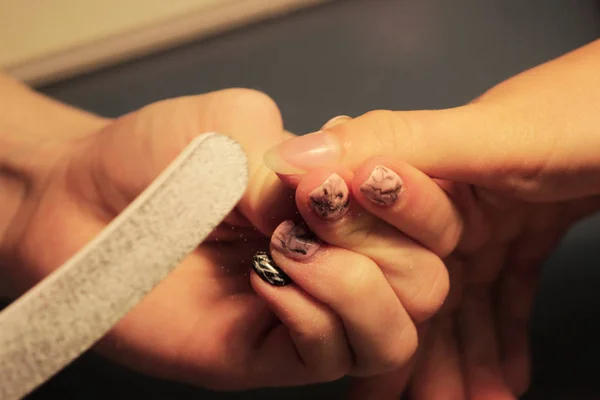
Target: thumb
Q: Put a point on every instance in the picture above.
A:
(127, 155)
(482, 144)
(469, 144)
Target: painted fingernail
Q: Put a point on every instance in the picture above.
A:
(383, 186)
(303, 153)
(330, 200)
(295, 240)
(265, 267)
(340, 119)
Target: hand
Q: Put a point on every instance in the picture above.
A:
(524, 164)
(205, 324)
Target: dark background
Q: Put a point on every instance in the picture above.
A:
(349, 57)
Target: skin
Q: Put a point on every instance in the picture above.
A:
(526, 156)
(212, 322)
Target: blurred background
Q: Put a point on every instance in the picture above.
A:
(317, 59)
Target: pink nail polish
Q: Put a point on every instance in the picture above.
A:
(331, 200)
(296, 241)
(383, 186)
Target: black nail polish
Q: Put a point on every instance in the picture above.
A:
(268, 271)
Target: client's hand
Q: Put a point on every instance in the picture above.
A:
(525, 165)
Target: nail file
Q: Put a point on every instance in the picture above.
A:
(66, 313)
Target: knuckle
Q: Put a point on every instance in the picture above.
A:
(258, 103)
(444, 236)
(450, 236)
(385, 128)
(357, 283)
(359, 232)
(326, 361)
(433, 289)
(398, 352)
(389, 355)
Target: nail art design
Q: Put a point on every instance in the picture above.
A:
(296, 241)
(331, 199)
(269, 272)
(383, 186)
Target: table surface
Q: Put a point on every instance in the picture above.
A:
(349, 57)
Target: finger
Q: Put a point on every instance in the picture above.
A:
(456, 274)
(391, 385)
(516, 291)
(417, 275)
(147, 140)
(445, 144)
(410, 201)
(409, 135)
(513, 329)
(438, 371)
(118, 164)
(388, 386)
(378, 329)
(308, 346)
(479, 347)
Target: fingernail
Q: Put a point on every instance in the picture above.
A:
(383, 186)
(303, 153)
(265, 267)
(340, 119)
(330, 200)
(296, 241)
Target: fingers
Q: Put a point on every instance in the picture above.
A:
(413, 203)
(309, 346)
(378, 330)
(389, 386)
(410, 201)
(480, 348)
(516, 291)
(417, 275)
(392, 385)
(438, 371)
